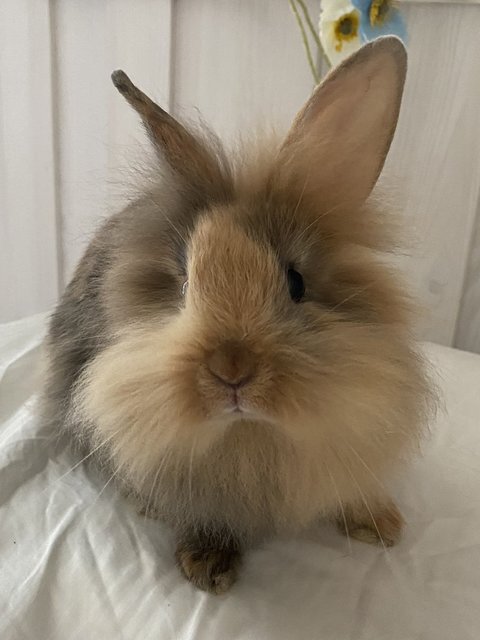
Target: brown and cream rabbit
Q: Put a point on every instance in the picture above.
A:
(232, 346)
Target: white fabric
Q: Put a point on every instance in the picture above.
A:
(78, 563)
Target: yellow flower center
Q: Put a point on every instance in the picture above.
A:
(379, 9)
(346, 28)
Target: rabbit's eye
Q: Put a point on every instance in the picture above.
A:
(296, 285)
(184, 287)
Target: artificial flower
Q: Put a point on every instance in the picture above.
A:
(339, 29)
(345, 25)
(380, 18)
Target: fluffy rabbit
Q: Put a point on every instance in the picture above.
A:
(232, 345)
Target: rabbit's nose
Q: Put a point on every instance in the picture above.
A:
(232, 364)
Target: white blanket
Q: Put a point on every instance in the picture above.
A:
(77, 562)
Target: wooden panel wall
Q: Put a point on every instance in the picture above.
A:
(467, 334)
(98, 132)
(29, 273)
(436, 158)
(241, 64)
(66, 135)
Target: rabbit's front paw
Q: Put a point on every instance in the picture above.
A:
(213, 570)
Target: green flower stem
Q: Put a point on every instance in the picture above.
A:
(314, 32)
(310, 25)
(306, 44)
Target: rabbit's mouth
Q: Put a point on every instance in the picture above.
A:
(227, 405)
(254, 401)
(240, 406)
(236, 405)
(232, 402)
(236, 408)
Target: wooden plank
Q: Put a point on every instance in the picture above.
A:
(241, 64)
(28, 226)
(436, 157)
(99, 133)
(450, 2)
(467, 335)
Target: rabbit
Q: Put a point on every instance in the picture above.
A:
(233, 347)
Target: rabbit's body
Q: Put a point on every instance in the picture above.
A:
(233, 349)
(257, 478)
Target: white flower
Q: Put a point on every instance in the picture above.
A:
(339, 29)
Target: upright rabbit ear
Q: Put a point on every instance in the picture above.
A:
(186, 154)
(339, 141)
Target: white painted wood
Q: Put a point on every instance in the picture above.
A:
(237, 61)
(436, 156)
(99, 132)
(241, 64)
(28, 244)
(450, 2)
(467, 334)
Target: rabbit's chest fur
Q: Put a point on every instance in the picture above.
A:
(254, 482)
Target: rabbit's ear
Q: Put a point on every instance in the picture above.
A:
(185, 154)
(340, 139)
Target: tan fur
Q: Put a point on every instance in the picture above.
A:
(336, 411)
(374, 522)
(330, 393)
(212, 569)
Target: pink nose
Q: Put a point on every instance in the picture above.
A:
(232, 364)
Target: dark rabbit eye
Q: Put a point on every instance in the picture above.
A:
(296, 285)
(184, 287)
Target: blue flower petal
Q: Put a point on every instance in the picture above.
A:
(362, 5)
(393, 25)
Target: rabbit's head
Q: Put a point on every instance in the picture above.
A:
(251, 293)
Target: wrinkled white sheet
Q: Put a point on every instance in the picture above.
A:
(77, 562)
